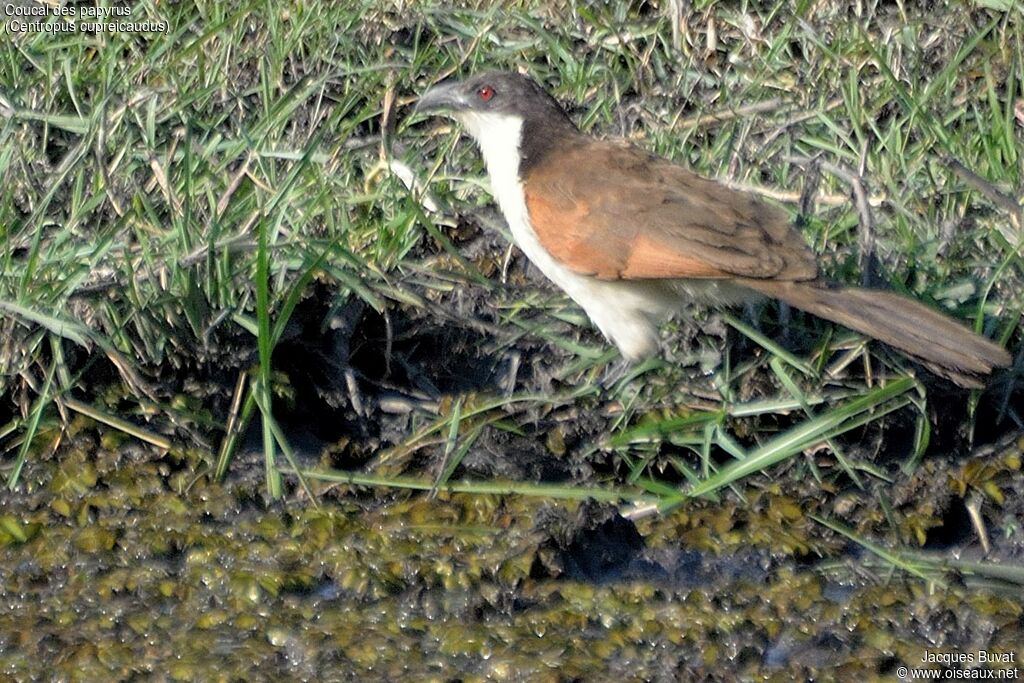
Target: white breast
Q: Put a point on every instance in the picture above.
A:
(626, 312)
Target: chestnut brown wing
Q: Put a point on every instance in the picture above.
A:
(620, 213)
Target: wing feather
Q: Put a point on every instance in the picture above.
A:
(624, 214)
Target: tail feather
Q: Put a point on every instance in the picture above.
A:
(944, 345)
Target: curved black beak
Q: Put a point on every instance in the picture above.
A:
(443, 97)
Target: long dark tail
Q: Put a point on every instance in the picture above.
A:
(942, 344)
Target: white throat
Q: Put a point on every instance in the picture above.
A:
(498, 136)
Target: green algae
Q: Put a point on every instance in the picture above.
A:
(114, 573)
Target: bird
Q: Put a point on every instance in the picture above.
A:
(634, 238)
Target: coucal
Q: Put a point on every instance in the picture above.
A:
(632, 237)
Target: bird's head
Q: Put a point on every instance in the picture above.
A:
(493, 102)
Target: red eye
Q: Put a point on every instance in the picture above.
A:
(485, 93)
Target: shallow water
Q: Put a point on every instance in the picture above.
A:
(118, 566)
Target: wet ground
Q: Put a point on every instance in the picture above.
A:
(122, 562)
(118, 567)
